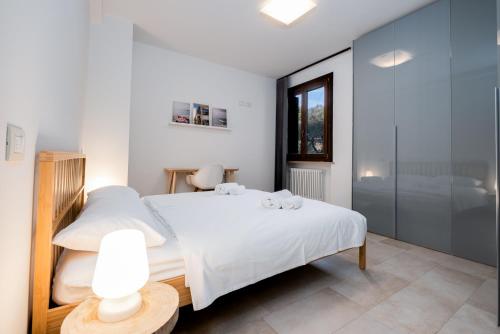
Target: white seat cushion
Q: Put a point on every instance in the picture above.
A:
(206, 177)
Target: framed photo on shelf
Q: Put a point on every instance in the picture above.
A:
(181, 112)
(219, 117)
(201, 114)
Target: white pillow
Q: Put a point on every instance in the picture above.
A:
(113, 192)
(466, 181)
(463, 181)
(76, 268)
(106, 212)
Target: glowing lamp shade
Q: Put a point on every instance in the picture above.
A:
(121, 270)
(287, 11)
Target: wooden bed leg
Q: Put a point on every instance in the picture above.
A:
(362, 256)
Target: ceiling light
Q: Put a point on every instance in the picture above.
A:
(287, 11)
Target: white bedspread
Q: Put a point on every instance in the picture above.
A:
(229, 242)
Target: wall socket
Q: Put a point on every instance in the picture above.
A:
(245, 104)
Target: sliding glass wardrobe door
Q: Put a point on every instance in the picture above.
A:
(474, 66)
(497, 154)
(423, 120)
(374, 141)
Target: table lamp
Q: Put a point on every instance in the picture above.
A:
(121, 271)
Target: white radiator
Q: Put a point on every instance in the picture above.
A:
(308, 183)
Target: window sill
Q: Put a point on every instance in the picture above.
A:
(321, 163)
(309, 158)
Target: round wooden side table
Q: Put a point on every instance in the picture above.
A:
(159, 313)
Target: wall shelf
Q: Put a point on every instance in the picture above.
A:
(199, 126)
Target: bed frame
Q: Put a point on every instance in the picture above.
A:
(60, 197)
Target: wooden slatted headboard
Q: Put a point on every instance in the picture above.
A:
(60, 198)
(475, 169)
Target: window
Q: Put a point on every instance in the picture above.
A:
(310, 120)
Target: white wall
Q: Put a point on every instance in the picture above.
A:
(106, 122)
(338, 177)
(160, 77)
(42, 66)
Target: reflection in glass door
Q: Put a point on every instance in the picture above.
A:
(374, 141)
(497, 151)
(423, 118)
(473, 31)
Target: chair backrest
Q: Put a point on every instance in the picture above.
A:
(208, 177)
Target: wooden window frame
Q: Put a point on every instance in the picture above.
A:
(302, 89)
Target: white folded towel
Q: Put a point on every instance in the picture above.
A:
(271, 203)
(224, 188)
(281, 194)
(274, 200)
(292, 203)
(239, 190)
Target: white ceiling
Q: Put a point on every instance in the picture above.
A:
(235, 33)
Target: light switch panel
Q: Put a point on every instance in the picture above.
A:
(14, 150)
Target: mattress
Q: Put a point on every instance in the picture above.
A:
(75, 269)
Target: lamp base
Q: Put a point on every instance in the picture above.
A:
(114, 310)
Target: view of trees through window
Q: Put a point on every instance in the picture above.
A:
(309, 120)
(315, 120)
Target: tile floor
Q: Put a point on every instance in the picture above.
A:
(406, 289)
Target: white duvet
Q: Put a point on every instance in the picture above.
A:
(229, 242)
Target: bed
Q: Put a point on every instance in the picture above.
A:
(289, 242)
